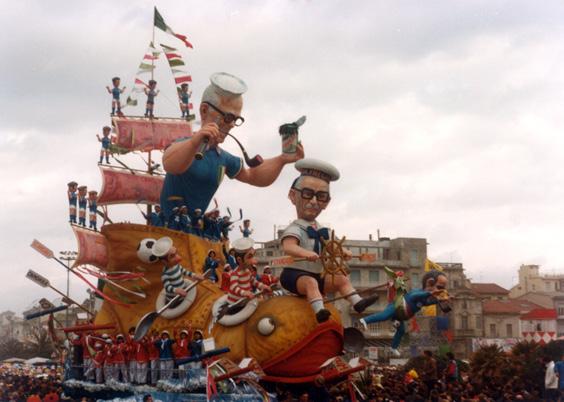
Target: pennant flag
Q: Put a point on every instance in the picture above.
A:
(174, 61)
(151, 54)
(429, 265)
(160, 23)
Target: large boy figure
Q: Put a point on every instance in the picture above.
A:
(302, 239)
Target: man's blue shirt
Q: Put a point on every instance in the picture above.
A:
(198, 184)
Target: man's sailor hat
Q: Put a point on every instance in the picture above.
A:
(228, 85)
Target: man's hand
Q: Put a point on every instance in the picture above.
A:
(209, 131)
(180, 291)
(291, 158)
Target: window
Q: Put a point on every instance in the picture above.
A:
(355, 276)
(386, 253)
(415, 280)
(374, 275)
(464, 322)
(560, 310)
(269, 253)
(509, 329)
(539, 327)
(413, 257)
(478, 322)
(547, 286)
(492, 330)
(455, 284)
(464, 304)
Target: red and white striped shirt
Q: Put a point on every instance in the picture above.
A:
(241, 281)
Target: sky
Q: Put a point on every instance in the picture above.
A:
(444, 118)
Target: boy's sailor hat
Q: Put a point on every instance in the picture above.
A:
(162, 246)
(316, 168)
(243, 245)
(227, 84)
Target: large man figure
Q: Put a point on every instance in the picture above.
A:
(193, 182)
(302, 240)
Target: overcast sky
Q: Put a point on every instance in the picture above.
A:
(445, 118)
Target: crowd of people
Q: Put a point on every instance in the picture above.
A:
(20, 383)
(210, 225)
(101, 357)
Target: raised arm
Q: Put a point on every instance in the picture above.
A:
(265, 174)
(179, 156)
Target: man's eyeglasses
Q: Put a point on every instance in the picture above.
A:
(228, 118)
(308, 194)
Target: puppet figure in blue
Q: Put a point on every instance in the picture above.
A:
(403, 305)
(73, 199)
(92, 206)
(184, 97)
(211, 265)
(246, 229)
(115, 91)
(106, 141)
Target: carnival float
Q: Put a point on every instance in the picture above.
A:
(273, 336)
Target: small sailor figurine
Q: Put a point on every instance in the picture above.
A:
(71, 194)
(243, 280)
(115, 92)
(197, 222)
(246, 229)
(302, 239)
(92, 200)
(82, 201)
(174, 220)
(173, 273)
(211, 264)
(151, 93)
(106, 141)
(184, 96)
(184, 219)
(225, 226)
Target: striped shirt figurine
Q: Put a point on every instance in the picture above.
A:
(242, 279)
(173, 273)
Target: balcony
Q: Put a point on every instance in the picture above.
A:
(467, 332)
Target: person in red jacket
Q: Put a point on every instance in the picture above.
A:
(153, 352)
(226, 278)
(119, 351)
(98, 362)
(267, 278)
(141, 360)
(108, 359)
(182, 350)
(131, 361)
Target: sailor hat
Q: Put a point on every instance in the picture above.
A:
(165, 332)
(93, 192)
(72, 183)
(243, 244)
(184, 332)
(82, 187)
(228, 85)
(120, 336)
(316, 168)
(162, 246)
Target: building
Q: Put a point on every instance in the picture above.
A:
(490, 291)
(530, 280)
(466, 317)
(539, 325)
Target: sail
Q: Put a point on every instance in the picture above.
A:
(138, 134)
(120, 186)
(92, 248)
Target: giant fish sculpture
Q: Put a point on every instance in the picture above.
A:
(282, 334)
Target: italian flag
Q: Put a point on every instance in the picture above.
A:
(159, 23)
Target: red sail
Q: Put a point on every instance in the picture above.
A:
(138, 134)
(122, 187)
(91, 248)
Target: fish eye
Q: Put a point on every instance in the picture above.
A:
(266, 326)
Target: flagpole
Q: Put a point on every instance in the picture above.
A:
(153, 44)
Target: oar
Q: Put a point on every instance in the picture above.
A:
(147, 320)
(287, 260)
(44, 282)
(239, 304)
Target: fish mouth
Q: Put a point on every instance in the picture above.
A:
(302, 362)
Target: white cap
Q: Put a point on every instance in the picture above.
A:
(243, 244)
(228, 85)
(316, 168)
(162, 246)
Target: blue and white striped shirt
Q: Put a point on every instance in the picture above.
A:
(172, 278)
